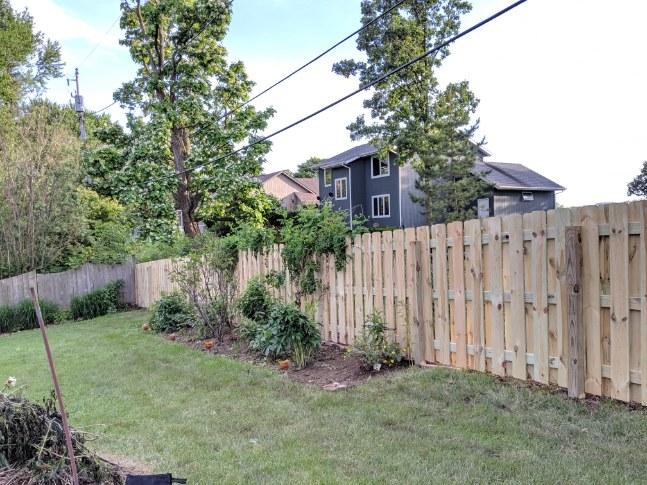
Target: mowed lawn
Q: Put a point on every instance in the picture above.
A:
(215, 420)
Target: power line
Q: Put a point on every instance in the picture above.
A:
(103, 109)
(360, 89)
(96, 46)
(314, 59)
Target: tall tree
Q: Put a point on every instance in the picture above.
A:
(638, 186)
(39, 174)
(27, 58)
(189, 92)
(423, 122)
(308, 168)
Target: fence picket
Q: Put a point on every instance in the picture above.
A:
(401, 305)
(455, 233)
(513, 226)
(476, 329)
(441, 310)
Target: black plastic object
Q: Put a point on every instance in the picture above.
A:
(166, 479)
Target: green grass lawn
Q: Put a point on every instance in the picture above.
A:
(215, 420)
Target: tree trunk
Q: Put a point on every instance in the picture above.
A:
(184, 201)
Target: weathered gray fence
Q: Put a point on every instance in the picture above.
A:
(60, 288)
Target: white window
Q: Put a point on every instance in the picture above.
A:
(327, 177)
(379, 168)
(381, 206)
(341, 188)
(527, 196)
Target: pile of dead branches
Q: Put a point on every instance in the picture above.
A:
(33, 452)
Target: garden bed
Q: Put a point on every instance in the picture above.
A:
(332, 367)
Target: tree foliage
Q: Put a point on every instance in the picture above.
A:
(308, 168)
(412, 113)
(39, 173)
(638, 186)
(27, 58)
(188, 91)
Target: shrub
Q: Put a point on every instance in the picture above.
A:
(287, 332)
(207, 278)
(23, 316)
(373, 348)
(98, 302)
(256, 301)
(171, 313)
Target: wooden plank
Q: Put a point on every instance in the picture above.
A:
(563, 218)
(349, 334)
(378, 282)
(513, 225)
(410, 290)
(639, 212)
(415, 283)
(422, 235)
(538, 256)
(367, 277)
(441, 313)
(476, 325)
(358, 287)
(387, 274)
(589, 218)
(455, 232)
(619, 275)
(573, 302)
(401, 303)
(495, 257)
(334, 309)
(325, 292)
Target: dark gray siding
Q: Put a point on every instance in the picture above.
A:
(510, 202)
(388, 185)
(412, 212)
(327, 194)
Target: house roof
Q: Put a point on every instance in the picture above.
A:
(312, 183)
(364, 150)
(349, 155)
(514, 176)
(504, 176)
(305, 183)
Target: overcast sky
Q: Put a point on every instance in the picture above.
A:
(562, 84)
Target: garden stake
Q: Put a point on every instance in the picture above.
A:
(57, 388)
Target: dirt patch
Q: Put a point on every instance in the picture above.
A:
(332, 368)
(127, 466)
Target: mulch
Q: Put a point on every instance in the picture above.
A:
(333, 367)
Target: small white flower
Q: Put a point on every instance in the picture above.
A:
(11, 382)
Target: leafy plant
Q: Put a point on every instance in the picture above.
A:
(314, 232)
(255, 302)
(287, 332)
(171, 313)
(98, 302)
(23, 316)
(275, 278)
(373, 348)
(207, 279)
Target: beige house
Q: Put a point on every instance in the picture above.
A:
(290, 191)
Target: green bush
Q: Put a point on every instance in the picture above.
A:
(98, 302)
(373, 348)
(287, 332)
(23, 316)
(170, 314)
(255, 302)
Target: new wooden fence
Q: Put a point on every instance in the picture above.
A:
(495, 295)
(61, 287)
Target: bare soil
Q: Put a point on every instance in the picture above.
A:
(332, 368)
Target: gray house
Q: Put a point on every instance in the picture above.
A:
(359, 182)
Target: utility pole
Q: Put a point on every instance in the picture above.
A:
(78, 107)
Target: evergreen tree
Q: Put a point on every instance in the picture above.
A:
(424, 123)
(638, 186)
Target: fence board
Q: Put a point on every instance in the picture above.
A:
(387, 261)
(426, 292)
(476, 323)
(358, 286)
(619, 275)
(455, 232)
(516, 319)
(441, 310)
(401, 305)
(495, 258)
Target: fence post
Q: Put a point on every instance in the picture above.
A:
(576, 330)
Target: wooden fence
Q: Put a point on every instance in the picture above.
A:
(502, 295)
(61, 287)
